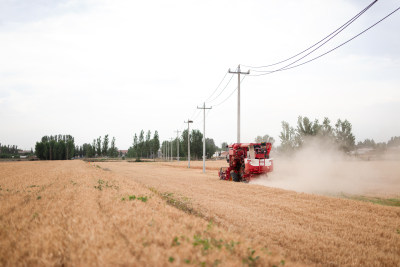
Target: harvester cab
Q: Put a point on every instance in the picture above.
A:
(247, 161)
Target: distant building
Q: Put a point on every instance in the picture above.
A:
(24, 152)
(220, 154)
(122, 152)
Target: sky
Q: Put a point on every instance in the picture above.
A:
(90, 68)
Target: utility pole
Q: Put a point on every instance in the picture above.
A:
(188, 121)
(204, 135)
(177, 143)
(238, 72)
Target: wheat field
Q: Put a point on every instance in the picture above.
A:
(160, 214)
(72, 213)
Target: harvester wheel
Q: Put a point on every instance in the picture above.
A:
(235, 177)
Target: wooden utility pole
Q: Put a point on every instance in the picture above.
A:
(204, 135)
(238, 72)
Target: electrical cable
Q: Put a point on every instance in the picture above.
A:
(222, 89)
(230, 94)
(334, 33)
(297, 60)
(217, 87)
(198, 113)
(208, 111)
(329, 51)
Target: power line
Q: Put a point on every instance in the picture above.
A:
(215, 98)
(198, 113)
(208, 111)
(217, 87)
(334, 33)
(230, 94)
(222, 89)
(333, 49)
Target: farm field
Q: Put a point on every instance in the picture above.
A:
(75, 213)
(160, 213)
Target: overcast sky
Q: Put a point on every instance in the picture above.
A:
(90, 68)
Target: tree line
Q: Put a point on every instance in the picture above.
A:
(98, 148)
(294, 138)
(196, 145)
(144, 146)
(370, 143)
(7, 151)
(57, 147)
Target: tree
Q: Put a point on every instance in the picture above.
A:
(196, 144)
(144, 148)
(183, 146)
(87, 150)
(368, 143)
(98, 146)
(93, 152)
(59, 147)
(105, 145)
(155, 143)
(113, 151)
(326, 129)
(344, 137)
(287, 136)
(394, 141)
(69, 146)
(224, 146)
(141, 144)
(306, 129)
(265, 138)
(147, 144)
(210, 147)
(40, 150)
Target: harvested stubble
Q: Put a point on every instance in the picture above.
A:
(88, 216)
(310, 229)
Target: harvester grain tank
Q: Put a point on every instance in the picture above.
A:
(247, 161)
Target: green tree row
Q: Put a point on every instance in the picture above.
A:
(370, 143)
(98, 148)
(57, 147)
(8, 151)
(12, 151)
(196, 145)
(340, 134)
(144, 146)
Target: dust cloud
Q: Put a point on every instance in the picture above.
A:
(320, 168)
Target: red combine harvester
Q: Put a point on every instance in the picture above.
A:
(246, 161)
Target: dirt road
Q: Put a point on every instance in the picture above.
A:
(310, 229)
